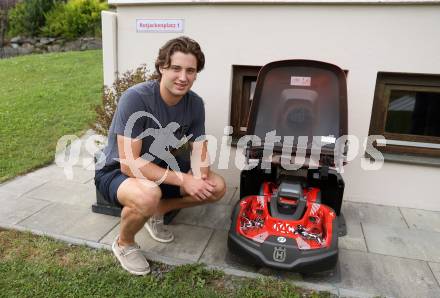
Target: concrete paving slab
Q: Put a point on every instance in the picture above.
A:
(66, 192)
(13, 211)
(355, 294)
(350, 211)
(91, 185)
(386, 275)
(56, 173)
(22, 185)
(8, 195)
(386, 216)
(355, 237)
(188, 244)
(326, 278)
(84, 157)
(231, 175)
(217, 254)
(56, 218)
(92, 227)
(226, 200)
(235, 198)
(320, 279)
(212, 216)
(405, 243)
(435, 268)
(87, 226)
(111, 235)
(422, 219)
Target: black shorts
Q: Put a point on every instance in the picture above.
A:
(108, 180)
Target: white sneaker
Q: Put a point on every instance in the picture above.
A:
(158, 231)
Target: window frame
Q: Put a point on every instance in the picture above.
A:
(385, 83)
(239, 72)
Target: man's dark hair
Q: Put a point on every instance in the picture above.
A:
(182, 44)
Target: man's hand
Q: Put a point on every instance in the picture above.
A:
(201, 189)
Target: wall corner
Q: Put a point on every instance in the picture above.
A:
(109, 46)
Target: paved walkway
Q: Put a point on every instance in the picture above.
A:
(388, 251)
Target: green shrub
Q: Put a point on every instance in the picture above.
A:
(74, 19)
(28, 17)
(111, 95)
(5, 6)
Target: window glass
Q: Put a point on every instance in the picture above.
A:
(413, 112)
(252, 91)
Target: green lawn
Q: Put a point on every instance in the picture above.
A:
(34, 266)
(43, 97)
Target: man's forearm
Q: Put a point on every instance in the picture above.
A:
(204, 171)
(200, 159)
(141, 168)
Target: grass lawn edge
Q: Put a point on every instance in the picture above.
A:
(306, 289)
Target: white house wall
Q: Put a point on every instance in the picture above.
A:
(109, 44)
(362, 39)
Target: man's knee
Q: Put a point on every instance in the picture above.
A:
(148, 199)
(143, 197)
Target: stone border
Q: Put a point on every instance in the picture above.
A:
(19, 46)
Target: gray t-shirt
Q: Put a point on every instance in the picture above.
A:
(161, 128)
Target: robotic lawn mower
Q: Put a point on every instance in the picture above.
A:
(289, 213)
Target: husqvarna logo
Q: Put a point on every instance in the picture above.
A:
(279, 254)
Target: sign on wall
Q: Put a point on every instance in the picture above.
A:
(159, 25)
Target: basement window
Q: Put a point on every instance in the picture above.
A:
(244, 79)
(406, 111)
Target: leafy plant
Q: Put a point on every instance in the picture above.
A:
(27, 17)
(111, 95)
(74, 19)
(5, 6)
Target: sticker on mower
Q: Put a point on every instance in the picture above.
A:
(281, 239)
(284, 228)
(300, 81)
(260, 237)
(302, 244)
(315, 208)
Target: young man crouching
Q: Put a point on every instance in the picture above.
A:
(151, 123)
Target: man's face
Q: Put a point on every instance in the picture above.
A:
(177, 79)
